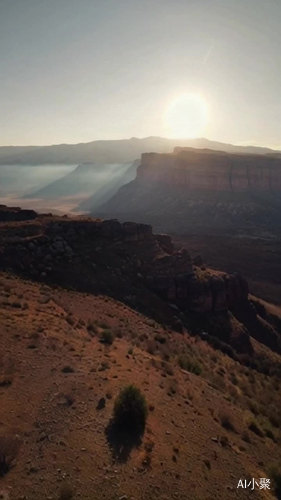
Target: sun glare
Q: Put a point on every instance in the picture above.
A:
(186, 116)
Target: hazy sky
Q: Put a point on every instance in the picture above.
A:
(79, 70)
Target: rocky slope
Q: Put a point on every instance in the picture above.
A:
(58, 384)
(202, 189)
(128, 262)
(88, 306)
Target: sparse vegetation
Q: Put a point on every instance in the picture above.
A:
(241, 392)
(188, 364)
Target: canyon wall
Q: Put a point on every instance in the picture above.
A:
(212, 170)
(202, 191)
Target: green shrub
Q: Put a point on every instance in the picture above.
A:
(130, 408)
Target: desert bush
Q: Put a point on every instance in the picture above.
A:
(119, 333)
(9, 448)
(173, 387)
(253, 406)
(151, 346)
(160, 338)
(91, 327)
(103, 366)
(246, 437)
(66, 492)
(4, 466)
(70, 320)
(233, 378)
(226, 422)
(270, 434)
(275, 475)
(130, 408)
(103, 325)
(67, 369)
(254, 427)
(186, 363)
(107, 337)
(167, 368)
(274, 419)
(224, 441)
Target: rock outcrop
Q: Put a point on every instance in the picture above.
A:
(15, 213)
(201, 190)
(130, 263)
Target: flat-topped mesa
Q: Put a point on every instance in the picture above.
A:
(207, 170)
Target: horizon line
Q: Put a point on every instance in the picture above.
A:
(273, 148)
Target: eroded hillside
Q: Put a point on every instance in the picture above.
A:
(89, 306)
(204, 432)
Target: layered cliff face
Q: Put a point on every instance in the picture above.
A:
(202, 188)
(206, 170)
(130, 263)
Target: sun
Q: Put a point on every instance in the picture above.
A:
(186, 116)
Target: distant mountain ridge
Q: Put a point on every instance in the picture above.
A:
(112, 151)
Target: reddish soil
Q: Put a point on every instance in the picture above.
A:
(55, 370)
